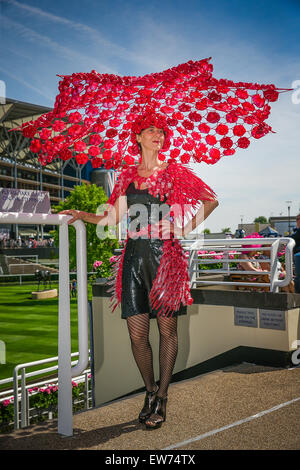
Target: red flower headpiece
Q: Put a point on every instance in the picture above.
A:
(96, 116)
(150, 118)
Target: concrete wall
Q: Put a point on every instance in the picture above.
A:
(204, 333)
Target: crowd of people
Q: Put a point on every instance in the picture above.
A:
(6, 242)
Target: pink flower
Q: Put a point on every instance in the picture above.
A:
(112, 259)
(97, 264)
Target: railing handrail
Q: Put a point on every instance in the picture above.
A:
(65, 372)
(237, 244)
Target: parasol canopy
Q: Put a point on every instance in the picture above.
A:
(97, 116)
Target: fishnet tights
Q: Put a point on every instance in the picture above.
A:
(138, 326)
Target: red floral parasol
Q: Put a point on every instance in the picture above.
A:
(97, 116)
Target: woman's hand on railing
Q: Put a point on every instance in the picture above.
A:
(85, 217)
(77, 215)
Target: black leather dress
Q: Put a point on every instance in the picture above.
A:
(141, 258)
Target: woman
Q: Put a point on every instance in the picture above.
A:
(251, 264)
(152, 279)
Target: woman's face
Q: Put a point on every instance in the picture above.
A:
(151, 138)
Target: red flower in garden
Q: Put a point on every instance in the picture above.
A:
(202, 148)
(98, 127)
(129, 160)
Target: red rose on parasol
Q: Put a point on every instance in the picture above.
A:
(97, 116)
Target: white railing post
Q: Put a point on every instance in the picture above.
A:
(65, 370)
(65, 415)
(273, 266)
(23, 400)
(82, 300)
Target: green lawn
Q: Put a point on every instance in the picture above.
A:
(29, 328)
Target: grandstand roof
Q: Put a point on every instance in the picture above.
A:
(13, 110)
(13, 113)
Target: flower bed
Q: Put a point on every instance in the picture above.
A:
(43, 403)
(209, 255)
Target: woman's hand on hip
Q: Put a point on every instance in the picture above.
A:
(168, 228)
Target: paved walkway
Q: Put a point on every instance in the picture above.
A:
(240, 407)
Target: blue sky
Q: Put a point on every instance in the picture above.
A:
(248, 41)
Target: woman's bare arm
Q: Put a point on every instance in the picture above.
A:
(248, 266)
(205, 210)
(110, 217)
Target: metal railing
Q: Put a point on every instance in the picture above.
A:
(65, 369)
(36, 257)
(33, 280)
(225, 246)
(20, 391)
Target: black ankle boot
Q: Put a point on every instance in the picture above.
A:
(148, 405)
(159, 412)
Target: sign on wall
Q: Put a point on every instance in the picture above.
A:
(24, 200)
(273, 319)
(245, 316)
